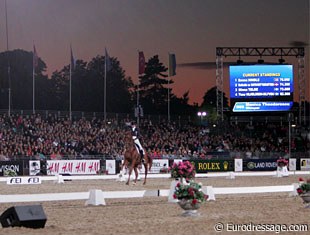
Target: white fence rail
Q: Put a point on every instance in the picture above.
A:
(206, 175)
(101, 196)
(97, 197)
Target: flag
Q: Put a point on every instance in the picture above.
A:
(72, 60)
(35, 63)
(35, 58)
(141, 62)
(108, 65)
(172, 65)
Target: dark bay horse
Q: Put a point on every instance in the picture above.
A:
(132, 159)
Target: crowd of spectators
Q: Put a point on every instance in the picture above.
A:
(54, 137)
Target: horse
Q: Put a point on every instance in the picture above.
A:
(132, 159)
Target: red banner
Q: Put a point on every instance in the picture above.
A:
(141, 62)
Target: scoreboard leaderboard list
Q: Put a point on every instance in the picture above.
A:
(257, 84)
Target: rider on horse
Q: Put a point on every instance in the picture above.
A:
(135, 136)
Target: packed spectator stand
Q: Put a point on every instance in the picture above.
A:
(53, 137)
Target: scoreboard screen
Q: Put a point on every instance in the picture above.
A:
(255, 88)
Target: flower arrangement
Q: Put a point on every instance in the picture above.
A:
(164, 169)
(282, 162)
(182, 170)
(191, 192)
(304, 186)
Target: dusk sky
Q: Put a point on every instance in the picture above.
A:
(191, 29)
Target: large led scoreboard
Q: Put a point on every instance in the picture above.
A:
(261, 88)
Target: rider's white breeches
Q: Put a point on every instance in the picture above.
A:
(137, 142)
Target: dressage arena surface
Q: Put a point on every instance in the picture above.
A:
(155, 215)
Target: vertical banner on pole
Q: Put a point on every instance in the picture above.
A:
(172, 65)
(141, 63)
(34, 167)
(304, 164)
(292, 164)
(238, 164)
(110, 167)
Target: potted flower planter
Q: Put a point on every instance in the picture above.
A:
(190, 209)
(305, 197)
(304, 191)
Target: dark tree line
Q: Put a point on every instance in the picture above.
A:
(52, 93)
(16, 69)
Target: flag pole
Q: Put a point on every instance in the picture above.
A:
(7, 49)
(33, 82)
(137, 108)
(168, 99)
(141, 70)
(168, 88)
(138, 87)
(33, 87)
(171, 72)
(70, 87)
(105, 89)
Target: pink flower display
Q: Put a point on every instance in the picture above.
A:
(183, 170)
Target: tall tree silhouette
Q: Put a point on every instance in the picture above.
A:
(88, 87)
(209, 102)
(21, 65)
(119, 97)
(153, 93)
(180, 106)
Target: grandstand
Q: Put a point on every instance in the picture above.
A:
(53, 136)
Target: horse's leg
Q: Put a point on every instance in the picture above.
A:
(133, 167)
(129, 173)
(133, 162)
(146, 169)
(122, 173)
(150, 162)
(136, 173)
(122, 167)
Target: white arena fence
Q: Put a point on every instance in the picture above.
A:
(97, 197)
(231, 175)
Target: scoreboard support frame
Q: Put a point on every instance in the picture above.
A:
(298, 52)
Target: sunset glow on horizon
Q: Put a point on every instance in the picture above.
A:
(190, 29)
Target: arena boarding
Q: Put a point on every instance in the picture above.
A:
(97, 197)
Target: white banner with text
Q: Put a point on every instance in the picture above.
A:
(73, 167)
